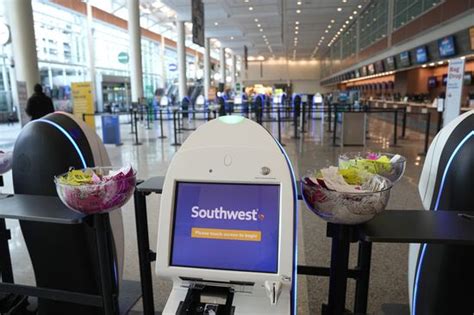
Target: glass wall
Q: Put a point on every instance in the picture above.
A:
(407, 10)
(373, 23)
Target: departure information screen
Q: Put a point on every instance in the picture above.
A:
(226, 226)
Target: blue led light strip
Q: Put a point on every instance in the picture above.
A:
(438, 198)
(293, 303)
(68, 136)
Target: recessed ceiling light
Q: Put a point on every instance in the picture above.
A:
(326, 31)
(298, 11)
(350, 17)
(246, 1)
(332, 21)
(250, 8)
(232, 38)
(322, 37)
(261, 30)
(296, 32)
(344, 1)
(256, 20)
(329, 26)
(259, 25)
(339, 9)
(297, 22)
(355, 12)
(297, 27)
(298, 3)
(216, 23)
(296, 38)
(347, 22)
(264, 36)
(360, 6)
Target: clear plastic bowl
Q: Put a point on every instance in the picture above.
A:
(6, 161)
(344, 207)
(393, 173)
(97, 198)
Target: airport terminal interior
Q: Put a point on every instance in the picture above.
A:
(217, 157)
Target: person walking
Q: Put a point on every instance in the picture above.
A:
(39, 104)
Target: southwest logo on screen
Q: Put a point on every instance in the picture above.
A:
(224, 214)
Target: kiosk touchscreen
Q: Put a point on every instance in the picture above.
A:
(227, 223)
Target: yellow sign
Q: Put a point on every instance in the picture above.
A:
(224, 234)
(83, 102)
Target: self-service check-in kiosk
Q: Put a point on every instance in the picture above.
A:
(62, 255)
(226, 231)
(441, 277)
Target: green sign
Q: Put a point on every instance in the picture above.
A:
(123, 57)
(237, 87)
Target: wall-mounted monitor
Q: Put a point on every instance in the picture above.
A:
(370, 69)
(363, 71)
(432, 82)
(390, 63)
(446, 46)
(467, 78)
(379, 68)
(421, 55)
(405, 59)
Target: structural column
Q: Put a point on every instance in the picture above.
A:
(222, 65)
(134, 37)
(234, 70)
(163, 61)
(20, 15)
(207, 67)
(182, 80)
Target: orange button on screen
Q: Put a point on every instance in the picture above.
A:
(221, 234)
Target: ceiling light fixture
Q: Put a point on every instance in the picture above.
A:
(296, 32)
(360, 6)
(232, 38)
(297, 22)
(298, 3)
(261, 30)
(339, 9)
(332, 21)
(250, 8)
(216, 23)
(259, 25)
(329, 26)
(297, 27)
(256, 20)
(298, 11)
(355, 12)
(350, 17)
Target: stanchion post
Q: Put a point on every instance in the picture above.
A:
(295, 123)
(440, 121)
(329, 117)
(303, 118)
(334, 129)
(279, 127)
(427, 132)
(162, 136)
(136, 128)
(132, 123)
(404, 122)
(175, 143)
(395, 126)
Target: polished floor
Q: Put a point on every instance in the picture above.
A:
(388, 283)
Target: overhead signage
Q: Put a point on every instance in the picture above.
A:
(453, 90)
(123, 57)
(198, 22)
(172, 67)
(4, 34)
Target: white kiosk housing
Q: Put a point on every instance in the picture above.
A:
(226, 231)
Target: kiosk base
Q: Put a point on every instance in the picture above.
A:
(207, 300)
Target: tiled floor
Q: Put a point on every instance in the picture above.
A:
(388, 283)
